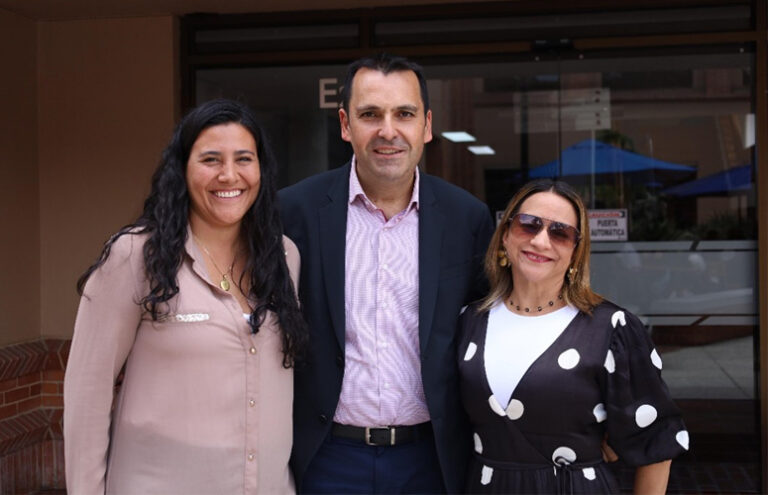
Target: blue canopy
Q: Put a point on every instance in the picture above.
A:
(577, 160)
(733, 180)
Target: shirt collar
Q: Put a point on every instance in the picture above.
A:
(356, 190)
(190, 246)
(194, 253)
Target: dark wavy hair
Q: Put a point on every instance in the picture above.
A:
(165, 218)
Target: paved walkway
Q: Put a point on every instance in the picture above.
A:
(724, 370)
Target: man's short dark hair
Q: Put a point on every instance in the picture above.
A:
(384, 63)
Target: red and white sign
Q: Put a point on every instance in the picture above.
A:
(608, 225)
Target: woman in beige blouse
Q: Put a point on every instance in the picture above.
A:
(194, 304)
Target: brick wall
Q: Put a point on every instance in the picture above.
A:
(31, 391)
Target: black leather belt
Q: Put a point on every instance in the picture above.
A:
(382, 436)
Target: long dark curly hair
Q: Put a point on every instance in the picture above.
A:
(165, 218)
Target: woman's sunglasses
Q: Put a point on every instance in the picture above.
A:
(559, 233)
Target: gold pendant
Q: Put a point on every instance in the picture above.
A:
(224, 284)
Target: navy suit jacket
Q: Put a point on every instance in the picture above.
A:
(454, 231)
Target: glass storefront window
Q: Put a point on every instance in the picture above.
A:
(660, 145)
(298, 106)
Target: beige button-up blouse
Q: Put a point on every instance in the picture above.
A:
(205, 405)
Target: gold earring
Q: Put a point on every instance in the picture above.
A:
(571, 274)
(503, 260)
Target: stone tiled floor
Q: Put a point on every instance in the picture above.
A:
(723, 370)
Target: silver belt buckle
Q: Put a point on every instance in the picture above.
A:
(368, 435)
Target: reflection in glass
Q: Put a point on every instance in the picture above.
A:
(668, 139)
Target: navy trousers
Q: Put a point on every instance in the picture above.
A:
(351, 466)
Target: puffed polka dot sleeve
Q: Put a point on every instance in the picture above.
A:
(644, 426)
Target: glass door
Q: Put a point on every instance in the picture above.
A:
(661, 146)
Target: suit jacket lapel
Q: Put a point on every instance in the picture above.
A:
(431, 225)
(332, 219)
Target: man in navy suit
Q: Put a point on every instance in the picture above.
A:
(389, 257)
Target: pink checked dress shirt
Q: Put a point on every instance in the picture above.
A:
(382, 372)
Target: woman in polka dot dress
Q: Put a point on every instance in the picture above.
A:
(548, 368)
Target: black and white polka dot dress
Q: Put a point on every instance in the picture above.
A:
(601, 375)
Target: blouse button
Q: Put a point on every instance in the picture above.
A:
(251, 456)
(251, 402)
(252, 350)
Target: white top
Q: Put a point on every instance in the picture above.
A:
(514, 342)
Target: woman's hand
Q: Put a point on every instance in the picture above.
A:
(652, 479)
(609, 455)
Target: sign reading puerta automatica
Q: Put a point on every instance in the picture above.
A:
(608, 225)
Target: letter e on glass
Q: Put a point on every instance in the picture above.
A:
(327, 88)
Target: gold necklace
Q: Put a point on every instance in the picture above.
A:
(224, 282)
(538, 308)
